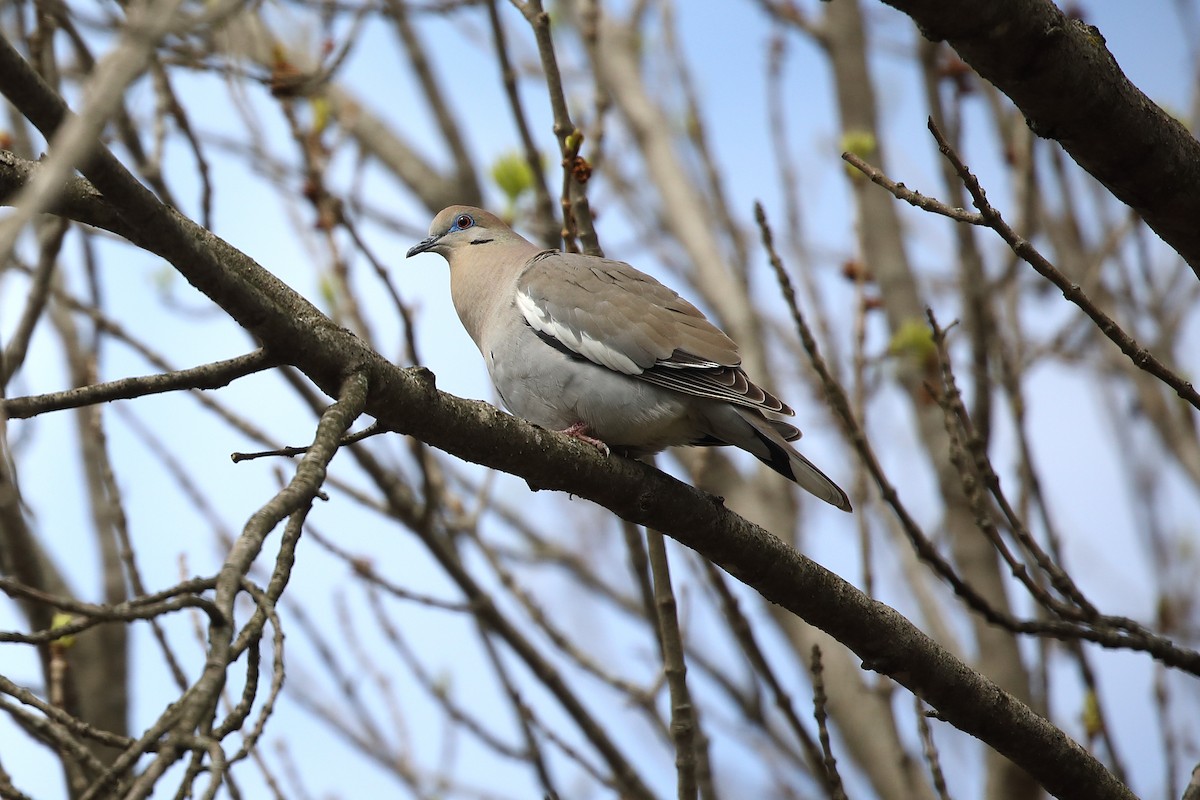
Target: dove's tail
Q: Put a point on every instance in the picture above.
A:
(767, 440)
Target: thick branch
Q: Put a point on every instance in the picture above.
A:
(407, 401)
(1070, 88)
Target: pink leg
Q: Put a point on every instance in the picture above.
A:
(581, 432)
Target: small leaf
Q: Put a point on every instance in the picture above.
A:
(860, 142)
(327, 287)
(913, 341)
(320, 112)
(512, 175)
(61, 619)
(1092, 723)
(575, 140)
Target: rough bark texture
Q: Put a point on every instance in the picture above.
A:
(1060, 74)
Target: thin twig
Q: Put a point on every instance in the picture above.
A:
(206, 376)
(684, 728)
(577, 215)
(508, 74)
(834, 779)
(1140, 356)
(1107, 631)
(744, 633)
(913, 198)
(373, 429)
(930, 751)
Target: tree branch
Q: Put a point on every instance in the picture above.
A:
(407, 401)
(206, 376)
(1140, 356)
(1069, 87)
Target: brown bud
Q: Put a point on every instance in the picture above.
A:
(855, 271)
(581, 169)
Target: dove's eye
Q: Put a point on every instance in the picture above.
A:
(463, 221)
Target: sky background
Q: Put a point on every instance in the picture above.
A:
(174, 540)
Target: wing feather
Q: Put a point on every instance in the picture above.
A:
(620, 318)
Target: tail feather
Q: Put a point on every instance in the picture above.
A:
(764, 441)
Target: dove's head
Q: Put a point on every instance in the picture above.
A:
(462, 227)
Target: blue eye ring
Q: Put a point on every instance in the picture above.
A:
(462, 222)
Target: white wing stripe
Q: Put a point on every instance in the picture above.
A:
(587, 346)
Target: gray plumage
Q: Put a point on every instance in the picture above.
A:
(600, 350)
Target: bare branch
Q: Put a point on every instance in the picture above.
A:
(1140, 356)
(1045, 62)
(913, 198)
(206, 376)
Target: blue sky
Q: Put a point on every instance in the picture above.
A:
(1146, 39)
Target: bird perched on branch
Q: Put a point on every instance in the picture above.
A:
(605, 353)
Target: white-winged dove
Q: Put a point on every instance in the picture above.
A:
(598, 350)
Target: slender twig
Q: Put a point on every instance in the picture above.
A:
(54, 732)
(684, 727)
(524, 717)
(913, 198)
(1140, 356)
(371, 430)
(181, 595)
(381, 272)
(1108, 631)
(508, 75)
(206, 376)
(962, 432)
(930, 751)
(462, 715)
(51, 236)
(744, 633)
(577, 216)
(364, 570)
(56, 716)
(832, 777)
